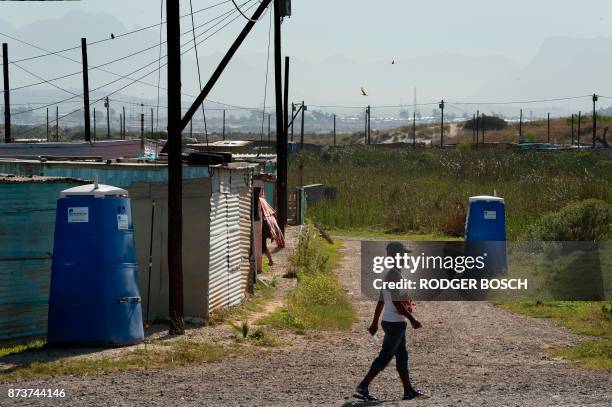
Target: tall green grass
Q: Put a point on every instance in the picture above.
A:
(403, 190)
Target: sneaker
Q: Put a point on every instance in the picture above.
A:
(412, 394)
(361, 392)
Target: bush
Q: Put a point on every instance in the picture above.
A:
(589, 220)
(488, 122)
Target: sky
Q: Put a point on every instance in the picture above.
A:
(384, 28)
(330, 38)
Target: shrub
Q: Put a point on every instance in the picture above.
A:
(488, 122)
(589, 220)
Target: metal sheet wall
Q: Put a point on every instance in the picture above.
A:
(246, 197)
(27, 221)
(227, 239)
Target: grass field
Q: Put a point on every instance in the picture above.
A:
(425, 191)
(586, 318)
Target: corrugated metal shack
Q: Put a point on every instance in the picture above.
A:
(217, 232)
(27, 218)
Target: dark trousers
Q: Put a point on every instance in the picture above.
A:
(394, 344)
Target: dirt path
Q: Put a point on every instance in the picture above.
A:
(466, 354)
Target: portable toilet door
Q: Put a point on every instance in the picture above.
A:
(95, 298)
(485, 232)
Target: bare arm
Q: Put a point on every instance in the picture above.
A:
(379, 308)
(402, 310)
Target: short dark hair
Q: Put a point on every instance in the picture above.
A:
(394, 248)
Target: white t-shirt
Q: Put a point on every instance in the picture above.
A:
(390, 313)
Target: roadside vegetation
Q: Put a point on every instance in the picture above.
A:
(33, 360)
(425, 191)
(318, 302)
(585, 318)
(160, 354)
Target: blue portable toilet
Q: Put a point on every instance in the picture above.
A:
(485, 231)
(94, 298)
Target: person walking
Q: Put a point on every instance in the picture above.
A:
(395, 315)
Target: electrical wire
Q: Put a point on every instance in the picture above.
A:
(263, 112)
(122, 58)
(123, 87)
(195, 47)
(245, 16)
(523, 102)
(138, 80)
(49, 53)
(45, 80)
(161, 19)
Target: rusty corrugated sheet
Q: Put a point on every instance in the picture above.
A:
(27, 221)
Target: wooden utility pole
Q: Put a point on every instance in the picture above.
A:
(94, 124)
(7, 94)
(152, 128)
(176, 125)
(548, 131)
(302, 127)
(124, 132)
(281, 132)
(292, 115)
(175, 170)
(473, 128)
(521, 127)
(579, 125)
(334, 129)
(286, 101)
(442, 123)
(369, 125)
(269, 128)
(48, 124)
(414, 129)
(365, 128)
(482, 140)
(56, 123)
(477, 126)
(223, 130)
(572, 135)
(142, 142)
(107, 106)
(595, 98)
(86, 113)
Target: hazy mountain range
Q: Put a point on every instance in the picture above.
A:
(562, 67)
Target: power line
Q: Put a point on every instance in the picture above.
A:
(263, 113)
(161, 19)
(523, 102)
(123, 87)
(195, 46)
(244, 15)
(49, 53)
(99, 67)
(127, 76)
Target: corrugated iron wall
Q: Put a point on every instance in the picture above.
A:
(246, 203)
(27, 222)
(119, 175)
(227, 238)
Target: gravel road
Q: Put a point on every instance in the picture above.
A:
(466, 354)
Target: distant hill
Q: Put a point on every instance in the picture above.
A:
(562, 67)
